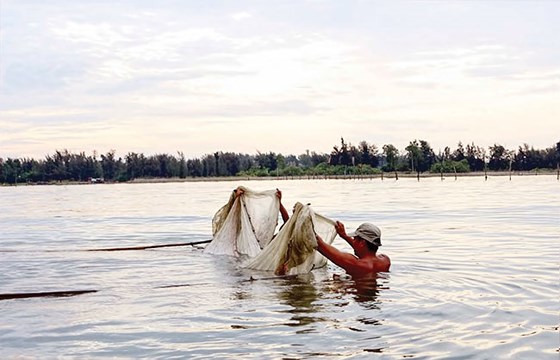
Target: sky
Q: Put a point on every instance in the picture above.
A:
(290, 76)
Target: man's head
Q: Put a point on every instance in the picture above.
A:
(370, 233)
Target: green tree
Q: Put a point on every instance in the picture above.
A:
(451, 166)
(305, 160)
(291, 171)
(391, 156)
(266, 161)
(2, 174)
(552, 156)
(134, 164)
(281, 161)
(317, 159)
(109, 165)
(232, 163)
(498, 158)
(31, 171)
(459, 153)
(209, 165)
(367, 154)
(345, 154)
(428, 157)
(414, 155)
(446, 153)
(182, 165)
(291, 160)
(194, 168)
(11, 171)
(341, 156)
(475, 157)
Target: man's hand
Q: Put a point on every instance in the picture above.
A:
(340, 230)
(279, 194)
(238, 192)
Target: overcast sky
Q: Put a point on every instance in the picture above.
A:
(282, 76)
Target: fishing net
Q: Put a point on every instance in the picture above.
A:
(245, 224)
(292, 251)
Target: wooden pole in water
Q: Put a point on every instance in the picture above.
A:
(441, 165)
(485, 168)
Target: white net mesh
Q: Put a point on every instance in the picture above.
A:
(245, 224)
(292, 251)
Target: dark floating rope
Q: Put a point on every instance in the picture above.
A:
(143, 247)
(152, 246)
(45, 294)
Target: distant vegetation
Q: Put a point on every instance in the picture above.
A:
(345, 159)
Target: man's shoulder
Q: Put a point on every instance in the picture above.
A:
(383, 257)
(381, 262)
(376, 259)
(374, 264)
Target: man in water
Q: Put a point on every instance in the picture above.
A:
(365, 241)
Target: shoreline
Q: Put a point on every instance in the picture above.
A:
(382, 176)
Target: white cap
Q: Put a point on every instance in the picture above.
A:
(368, 232)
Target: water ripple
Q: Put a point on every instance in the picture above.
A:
(474, 275)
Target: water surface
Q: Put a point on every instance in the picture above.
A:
(475, 273)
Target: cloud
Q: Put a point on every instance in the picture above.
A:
(553, 89)
(136, 75)
(242, 15)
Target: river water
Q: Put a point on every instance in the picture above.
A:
(475, 273)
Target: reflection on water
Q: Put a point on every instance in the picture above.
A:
(474, 274)
(302, 297)
(364, 291)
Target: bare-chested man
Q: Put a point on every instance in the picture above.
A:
(365, 261)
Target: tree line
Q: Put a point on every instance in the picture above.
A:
(345, 159)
